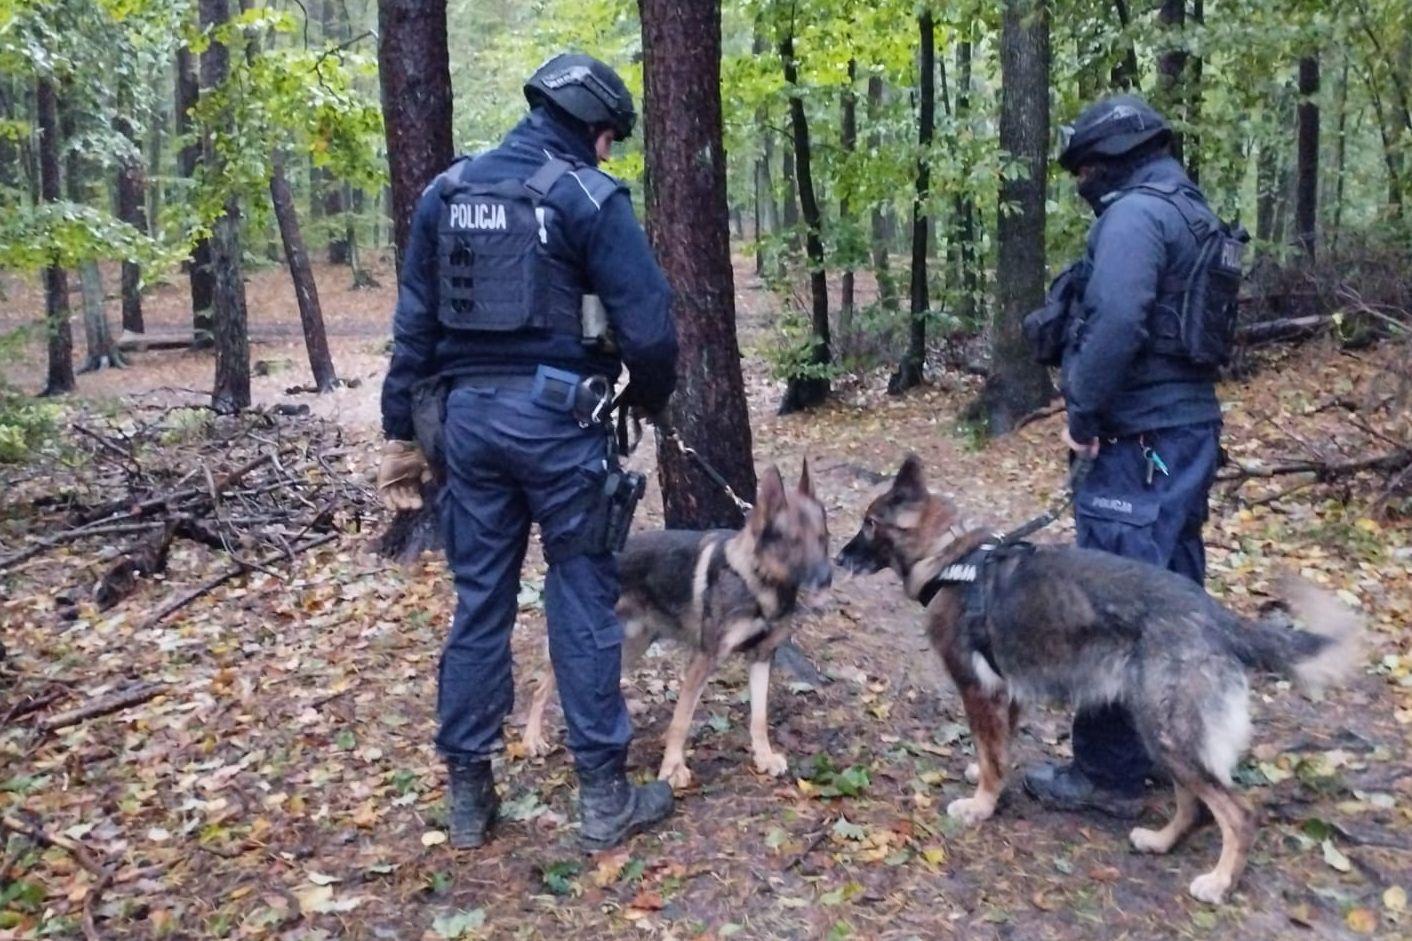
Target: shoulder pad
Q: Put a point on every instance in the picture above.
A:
(448, 175)
(596, 184)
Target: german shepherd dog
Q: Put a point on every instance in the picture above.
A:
(715, 593)
(1077, 626)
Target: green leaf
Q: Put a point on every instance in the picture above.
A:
(845, 830)
(345, 740)
(719, 724)
(558, 877)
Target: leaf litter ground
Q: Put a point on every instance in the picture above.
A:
(284, 784)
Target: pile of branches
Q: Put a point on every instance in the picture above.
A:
(261, 488)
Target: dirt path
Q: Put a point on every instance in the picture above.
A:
(286, 787)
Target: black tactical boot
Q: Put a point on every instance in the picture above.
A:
(473, 803)
(1066, 788)
(611, 809)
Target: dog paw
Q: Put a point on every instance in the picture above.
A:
(970, 810)
(1149, 841)
(675, 773)
(772, 763)
(973, 773)
(1210, 888)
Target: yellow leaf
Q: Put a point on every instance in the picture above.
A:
(934, 855)
(1395, 899)
(1368, 525)
(805, 787)
(609, 868)
(1362, 921)
(433, 838)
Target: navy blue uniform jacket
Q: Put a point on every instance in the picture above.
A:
(597, 233)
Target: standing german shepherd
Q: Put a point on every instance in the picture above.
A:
(1059, 623)
(717, 592)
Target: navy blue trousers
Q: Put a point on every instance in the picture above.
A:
(1159, 521)
(511, 462)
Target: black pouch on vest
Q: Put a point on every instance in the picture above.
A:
(429, 420)
(1047, 329)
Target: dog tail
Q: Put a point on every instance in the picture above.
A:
(1324, 648)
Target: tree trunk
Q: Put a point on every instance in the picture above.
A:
(1124, 74)
(56, 283)
(1192, 101)
(910, 370)
(332, 191)
(415, 74)
(882, 249)
(1340, 155)
(791, 209)
(686, 216)
(1267, 171)
(965, 227)
(1306, 200)
(203, 281)
(102, 351)
(156, 136)
(1171, 63)
(130, 199)
(1017, 385)
(306, 291)
(848, 138)
(231, 392)
(808, 391)
(10, 156)
(362, 278)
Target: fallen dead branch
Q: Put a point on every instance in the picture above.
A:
(104, 705)
(1324, 471)
(240, 568)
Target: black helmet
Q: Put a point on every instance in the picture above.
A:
(585, 89)
(1111, 128)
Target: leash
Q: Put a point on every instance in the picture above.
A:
(1077, 472)
(627, 444)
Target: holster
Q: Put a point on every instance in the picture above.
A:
(606, 527)
(429, 421)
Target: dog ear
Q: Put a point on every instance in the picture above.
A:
(910, 484)
(806, 486)
(769, 499)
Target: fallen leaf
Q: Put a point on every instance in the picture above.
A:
(456, 925)
(1105, 874)
(1335, 858)
(610, 866)
(647, 901)
(433, 838)
(319, 878)
(1362, 920)
(1395, 899)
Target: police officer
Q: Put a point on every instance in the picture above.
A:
(1136, 401)
(504, 248)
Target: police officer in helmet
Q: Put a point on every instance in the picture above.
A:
(508, 252)
(1138, 401)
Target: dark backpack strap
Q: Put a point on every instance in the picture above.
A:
(542, 180)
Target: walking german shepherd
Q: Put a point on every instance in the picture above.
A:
(717, 592)
(1060, 623)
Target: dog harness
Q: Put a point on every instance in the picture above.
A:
(977, 570)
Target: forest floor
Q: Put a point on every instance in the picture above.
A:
(284, 785)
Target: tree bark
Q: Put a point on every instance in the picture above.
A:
(198, 267)
(791, 208)
(882, 249)
(415, 75)
(130, 199)
(103, 352)
(60, 377)
(965, 227)
(808, 391)
(1171, 63)
(306, 291)
(910, 370)
(1306, 200)
(1017, 385)
(1196, 64)
(848, 139)
(231, 392)
(686, 216)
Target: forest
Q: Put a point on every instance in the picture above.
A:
(219, 649)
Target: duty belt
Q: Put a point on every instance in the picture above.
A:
(586, 398)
